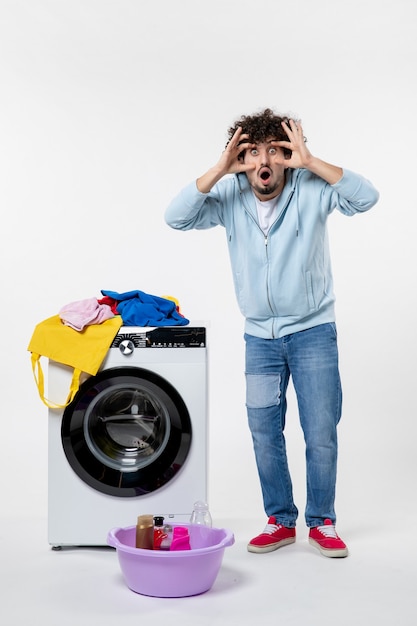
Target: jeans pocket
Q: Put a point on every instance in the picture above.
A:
(334, 328)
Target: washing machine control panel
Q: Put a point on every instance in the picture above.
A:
(128, 339)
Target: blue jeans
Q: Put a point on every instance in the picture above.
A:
(311, 358)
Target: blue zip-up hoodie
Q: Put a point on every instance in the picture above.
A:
(283, 281)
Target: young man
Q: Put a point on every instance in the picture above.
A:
(274, 209)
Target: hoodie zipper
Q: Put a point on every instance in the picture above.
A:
(243, 200)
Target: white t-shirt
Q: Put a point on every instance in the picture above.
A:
(267, 212)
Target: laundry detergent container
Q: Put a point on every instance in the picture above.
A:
(171, 574)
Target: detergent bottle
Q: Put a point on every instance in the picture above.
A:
(162, 534)
(180, 539)
(144, 532)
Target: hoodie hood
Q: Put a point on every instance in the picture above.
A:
(286, 196)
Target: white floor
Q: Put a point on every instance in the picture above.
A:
(375, 585)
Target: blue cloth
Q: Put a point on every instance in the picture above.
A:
(138, 308)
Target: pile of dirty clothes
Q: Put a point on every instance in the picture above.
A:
(136, 308)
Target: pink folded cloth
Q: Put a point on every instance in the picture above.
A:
(82, 313)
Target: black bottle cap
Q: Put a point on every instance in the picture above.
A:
(158, 520)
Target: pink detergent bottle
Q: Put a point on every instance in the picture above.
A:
(180, 538)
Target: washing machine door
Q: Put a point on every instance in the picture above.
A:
(127, 432)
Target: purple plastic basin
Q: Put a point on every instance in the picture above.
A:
(175, 574)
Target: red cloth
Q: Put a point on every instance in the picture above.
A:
(111, 302)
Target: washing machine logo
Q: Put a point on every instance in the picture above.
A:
(126, 347)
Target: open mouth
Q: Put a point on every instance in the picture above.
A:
(265, 175)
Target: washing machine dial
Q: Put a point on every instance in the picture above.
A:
(126, 347)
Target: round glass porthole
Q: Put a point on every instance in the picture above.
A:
(127, 432)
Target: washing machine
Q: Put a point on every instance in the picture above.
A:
(134, 439)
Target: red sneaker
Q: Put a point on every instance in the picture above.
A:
(326, 539)
(274, 536)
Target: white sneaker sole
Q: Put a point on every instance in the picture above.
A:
(340, 553)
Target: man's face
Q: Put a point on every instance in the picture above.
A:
(267, 179)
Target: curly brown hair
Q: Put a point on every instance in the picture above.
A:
(262, 126)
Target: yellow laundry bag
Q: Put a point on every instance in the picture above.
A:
(84, 351)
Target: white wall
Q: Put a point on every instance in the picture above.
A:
(108, 108)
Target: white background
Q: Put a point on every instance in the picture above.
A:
(108, 108)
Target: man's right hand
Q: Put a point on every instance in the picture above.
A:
(229, 163)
